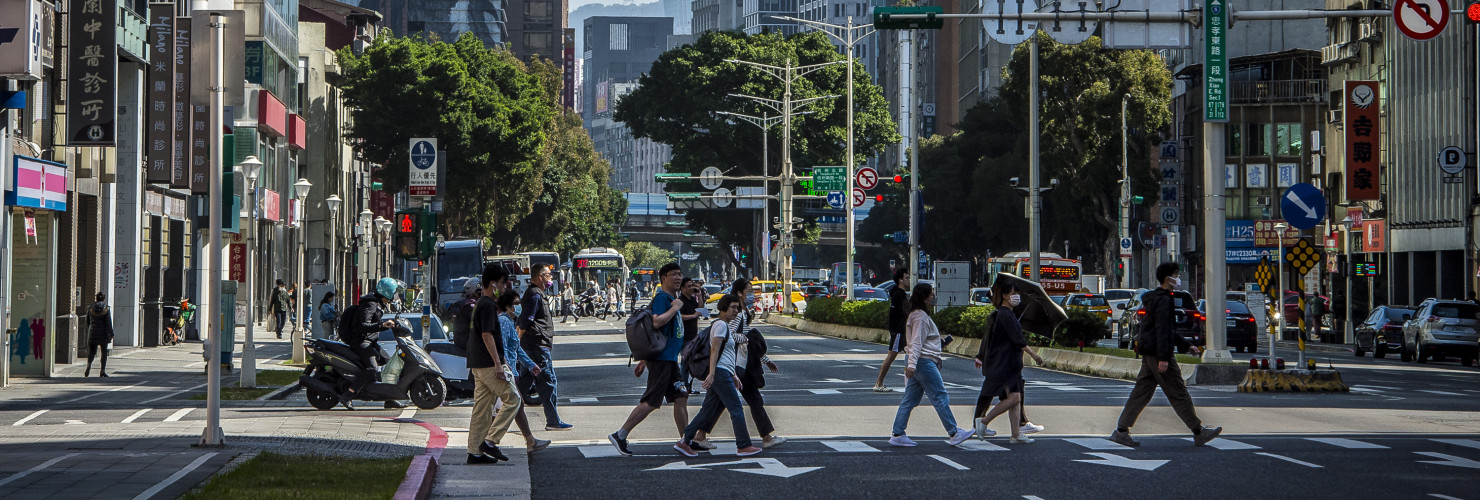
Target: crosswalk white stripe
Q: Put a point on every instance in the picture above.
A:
(43, 465)
(135, 416)
(850, 446)
(1350, 444)
(1441, 393)
(824, 391)
(175, 477)
(178, 414)
(28, 418)
(1097, 444)
(600, 451)
(408, 413)
(1288, 459)
(949, 462)
(115, 389)
(980, 446)
(1228, 444)
(1467, 443)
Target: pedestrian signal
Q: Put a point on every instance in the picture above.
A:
(406, 223)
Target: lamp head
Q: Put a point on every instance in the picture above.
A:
(301, 188)
(1348, 222)
(334, 202)
(252, 167)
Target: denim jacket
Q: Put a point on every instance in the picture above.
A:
(514, 355)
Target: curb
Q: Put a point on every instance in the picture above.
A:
(281, 393)
(1293, 381)
(423, 469)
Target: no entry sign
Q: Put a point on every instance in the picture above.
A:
(1421, 19)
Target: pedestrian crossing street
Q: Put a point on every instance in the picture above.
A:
(1315, 452)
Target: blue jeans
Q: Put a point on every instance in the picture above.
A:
(542, 384)
(722, 396)
(282, 320)
(926, 381)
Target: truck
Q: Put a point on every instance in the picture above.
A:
(809, 275)
(456, 260)
(1094, 283)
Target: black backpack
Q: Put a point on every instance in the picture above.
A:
(696, 353)
(347, 321)
(645, 341)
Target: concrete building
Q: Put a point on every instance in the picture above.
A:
(447, 19)
(682, 12)
(618, 51)
(716, 15)
(758, 16)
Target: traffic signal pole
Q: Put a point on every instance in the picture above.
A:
(1125, 194)
(1035, 198)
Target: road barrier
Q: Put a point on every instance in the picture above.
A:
(1293, 381)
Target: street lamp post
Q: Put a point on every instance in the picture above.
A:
(1279, 228)
(786, 74)
(333, 247)
(765, 122)
(301, 192)
(1125, 192)
(384, 227)
(366, 241)
(1346, 249)
(251, 168)
(850, 37)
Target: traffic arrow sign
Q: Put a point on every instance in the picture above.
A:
(1449, 460)
(858, 197)
(835, 199)
(769, 467)
(866, 178)
(1303, 205)
(1114, 460)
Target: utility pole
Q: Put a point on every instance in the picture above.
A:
(1035, 198)
(907, 145)
(1125, 192)
(764, 122)
(213, 308)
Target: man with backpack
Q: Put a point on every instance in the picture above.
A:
(280, 307)
(663, 377)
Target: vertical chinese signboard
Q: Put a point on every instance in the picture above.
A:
(1362, 131)
(1215, 72)
(92, 86)
(159, 155)
(180, 167)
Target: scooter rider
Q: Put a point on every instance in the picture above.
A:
(365, 330)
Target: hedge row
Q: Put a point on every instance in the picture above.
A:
(1082, 328)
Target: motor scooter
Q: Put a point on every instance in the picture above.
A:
(334, 367)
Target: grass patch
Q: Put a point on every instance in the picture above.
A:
(273, 475)
(1183, 359)
(267, 381)
(277, 378)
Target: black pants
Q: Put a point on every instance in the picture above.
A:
(757, 404)
(368, 353)
(984, 403)
(92, 349)
(282, 320)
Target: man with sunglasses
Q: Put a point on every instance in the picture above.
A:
(663, 382)
(536, 336)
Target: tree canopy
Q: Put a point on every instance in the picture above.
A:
(679, 100)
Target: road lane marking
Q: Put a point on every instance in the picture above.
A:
(1468, 443)
(1350, 444)
(175, 477)
(1097, 444)
(1441, 393)
(170, 395)
(821, 392)
(584, 400)
(1057, 388)
(28, 418)
(601, 451)
(115, 389)
(979, 446)
(408, 413)
(135, 416)
(1442, 497)
(949, 462)
(850, 446)
(43, 465)
(1227, 444)
(1288, 459)
(1449, 460)
(178, 414)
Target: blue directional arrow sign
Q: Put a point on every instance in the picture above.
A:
(835, 199)
(1303, 206)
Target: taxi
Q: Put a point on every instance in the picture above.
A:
(1092, 302)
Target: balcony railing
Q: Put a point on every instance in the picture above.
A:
(1279, 91)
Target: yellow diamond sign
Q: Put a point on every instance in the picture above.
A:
(1303, 257)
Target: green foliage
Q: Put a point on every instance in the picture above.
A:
(1081, 329)
(575, 207)
(963, 321)
(861, 313)
(644, 254)
(678, 100)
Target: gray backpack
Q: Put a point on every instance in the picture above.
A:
(645, 341)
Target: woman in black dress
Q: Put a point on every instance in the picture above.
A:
(1001, 362)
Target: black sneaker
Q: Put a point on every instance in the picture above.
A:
(481, 459)
(1123, 438)
(492, 451)
(619, 443)
(1206, 434)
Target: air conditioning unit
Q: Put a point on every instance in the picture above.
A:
(1333, 116)
(1261, 201)
(1369, 32)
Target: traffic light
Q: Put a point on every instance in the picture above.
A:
(1472, 13)
(1137, 200)
(901, 178)
(1120, 268)
(883, 21)
(880, 198)
(406, 223)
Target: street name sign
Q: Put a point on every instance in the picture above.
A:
(829, 178)
(1215, 71)
(1303, 206)
(422, 180)
(1421, 19)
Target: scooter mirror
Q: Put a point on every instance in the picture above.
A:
(402, 328)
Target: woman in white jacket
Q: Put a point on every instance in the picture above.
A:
(922, 371)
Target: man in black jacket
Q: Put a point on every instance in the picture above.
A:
(899, 311)
(1157, 337)
(362, 334)
(536, 336)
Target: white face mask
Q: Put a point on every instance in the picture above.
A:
(1176, 282)
(1013, 300)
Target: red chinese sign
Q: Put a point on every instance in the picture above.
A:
(238, 262)
(1363, 151)
(271, 205)
(1374, 239)
(1265, 236)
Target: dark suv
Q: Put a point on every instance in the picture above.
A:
(1187, 320)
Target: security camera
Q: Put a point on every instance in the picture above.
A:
(1053, 182)
(1013, 181)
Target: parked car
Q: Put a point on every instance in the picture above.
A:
(1442, 328)
(1186, 319)
(981, 296)
(1118, 296)
(1382, 331)
(1243, 332)
(1058, 299)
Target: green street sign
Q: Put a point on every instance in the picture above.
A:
(1215, 70)
(684, 196)
(665, 177)
(883, 18)
(830, 178)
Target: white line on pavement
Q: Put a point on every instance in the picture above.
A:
(1442, 497)
(115, 389)
(1350, 444)
(175, 477)
(170, 395)
(1288, 459)
(949, 462)
(196, 364)
(178, 414)
(28, 418)
(979, 446)
(43, 465)
(850, 446)
(1032, 497)
(1468, 443)
(585, 400)
(1227, 444)
(824, 391)
(1097, 444)
(1441, 393)
(408, 413)
(135, 416)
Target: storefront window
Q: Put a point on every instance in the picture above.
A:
(31, 305)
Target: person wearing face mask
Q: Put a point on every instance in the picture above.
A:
(1157, 338)
(1001, 361)
(922, 371)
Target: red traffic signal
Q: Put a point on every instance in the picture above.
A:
(898, 179)
(878, 198)
(406, 223)
(1472, 13)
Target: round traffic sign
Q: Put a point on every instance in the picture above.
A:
(1452, 160)
(710, 177)
(858, 197)
(423, 155)
(1421, 19)
(1170, 215)
(722, 197)
(1303, 206)
(1010, 31)
(866, 178)
(835, 199)
(1125, 243)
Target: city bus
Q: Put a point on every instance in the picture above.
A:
(456, 259)
(1059, 276)
(600, 265)
(518, 267)
(646, 278)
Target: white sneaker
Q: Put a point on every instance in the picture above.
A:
(1030, 428)
(902, 440)
(1020, 440)
(701, 444)
(961, 436)
(774, 441)
(982, 431)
